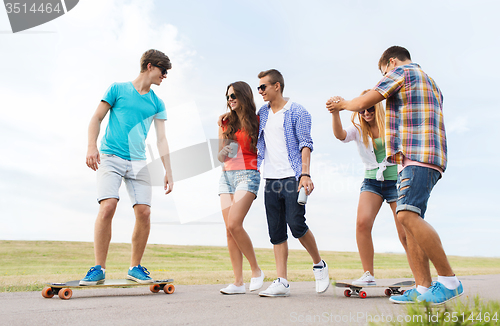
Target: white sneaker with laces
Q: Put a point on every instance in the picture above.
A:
(276, 289)
(233, 289)
(256, 282)
(322, 278)
(367, 279)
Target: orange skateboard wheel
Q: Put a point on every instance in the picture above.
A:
(65, 294)
(169, 288)
(155, 288)
(47, 293)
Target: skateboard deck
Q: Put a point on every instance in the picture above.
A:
(391, 289)
(63, 290)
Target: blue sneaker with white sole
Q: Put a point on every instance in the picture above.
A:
(139, 274)
(94, 276)
(409, 296)
(439, 294)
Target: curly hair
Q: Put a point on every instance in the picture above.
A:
(249, 121)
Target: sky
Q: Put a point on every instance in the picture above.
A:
(53, 76)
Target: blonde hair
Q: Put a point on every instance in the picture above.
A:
(363, 126)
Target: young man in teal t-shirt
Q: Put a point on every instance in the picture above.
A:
(132, 107)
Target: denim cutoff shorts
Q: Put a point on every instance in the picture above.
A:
(234, 180)
(385, 189)
(113, 169)
(415, 184)
(282, 209)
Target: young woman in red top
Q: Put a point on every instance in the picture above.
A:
(239, 182)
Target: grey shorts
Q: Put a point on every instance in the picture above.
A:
(135, 173)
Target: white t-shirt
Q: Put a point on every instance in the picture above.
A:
(276, 164)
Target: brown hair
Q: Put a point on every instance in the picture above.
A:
(155, 57)
(394, 52)
(274, 76)
(249, 122)
(363, 126)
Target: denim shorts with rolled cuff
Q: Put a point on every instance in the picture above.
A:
(415, 184)
(385, 189)
(282, 209)
(234, 180)
(113, 169)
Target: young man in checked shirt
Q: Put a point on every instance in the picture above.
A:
(416, 141)
(283, 155)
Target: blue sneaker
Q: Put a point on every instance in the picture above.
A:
(94, 276)
(139, 274)
(439, 294)
(410, 296)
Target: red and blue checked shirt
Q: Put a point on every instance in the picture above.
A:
(414, 116)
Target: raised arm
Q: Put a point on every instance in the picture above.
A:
(93, 158)
(338, 130)
(357, 104)
(162, 144)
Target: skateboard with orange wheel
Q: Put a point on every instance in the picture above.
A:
(391, 289)
(63, 290)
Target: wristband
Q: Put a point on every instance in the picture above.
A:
(304, 175)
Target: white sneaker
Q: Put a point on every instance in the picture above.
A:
(276, 289)
(366, 279)
(233, 289)
(256, 282)
(322, 278)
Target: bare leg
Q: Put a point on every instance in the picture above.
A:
(281, 257)
(368, 208)
(141, 233)
(404, 241)
(309, 243)
(427, 246)
(234, 251)
(102, 230)
(239, 209)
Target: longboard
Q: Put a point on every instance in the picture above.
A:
(391, 288)
(63, 290)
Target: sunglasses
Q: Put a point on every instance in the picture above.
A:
(371, 110)
(262, 87)
(232, 96)
(163, 70)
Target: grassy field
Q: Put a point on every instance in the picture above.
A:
(27, 265)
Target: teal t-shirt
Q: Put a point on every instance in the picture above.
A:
(391, 172)
(130, 118)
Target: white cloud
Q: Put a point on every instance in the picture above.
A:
(49, 96)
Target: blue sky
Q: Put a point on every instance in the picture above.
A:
(53, 76)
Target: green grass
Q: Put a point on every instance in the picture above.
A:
(28, 265)
(472, 312)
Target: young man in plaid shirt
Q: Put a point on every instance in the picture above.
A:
(415, 140)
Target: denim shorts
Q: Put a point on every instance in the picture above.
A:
(385, 189)
(234, 180)
(113, 169)
(415, 184)
(280, 199)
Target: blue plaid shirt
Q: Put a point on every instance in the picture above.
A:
(297, 126)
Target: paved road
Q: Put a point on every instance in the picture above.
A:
(203, 305)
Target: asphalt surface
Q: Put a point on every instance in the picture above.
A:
(204, 305)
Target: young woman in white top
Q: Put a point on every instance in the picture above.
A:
(368, 131)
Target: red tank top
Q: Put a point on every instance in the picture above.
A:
(246, 159)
